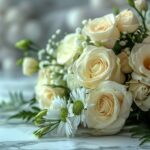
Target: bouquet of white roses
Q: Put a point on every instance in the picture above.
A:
(95, 78)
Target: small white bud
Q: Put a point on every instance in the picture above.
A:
(30, 66)
(84, 22)
(40, 54)
(122, 43)
(84, 44)
(61, 71)
(43, 63)
(49, 41)
(47, 57)
(53, 62)
(58, 31)
(78, 30)
(141, 5)
(53, 36)
(48, 46)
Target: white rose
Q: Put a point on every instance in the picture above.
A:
(124, 60)
(103, 30)
(139, 60)
(97, 64)
(108, 107)
(141, 94)
(141, 5)
(30, 66)
(69, 48)
(127, 21)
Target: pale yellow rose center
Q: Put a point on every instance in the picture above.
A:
(102, 26)
(127, 14)
(48, 95)
(147, 63)
(96, 67)
(105, 105)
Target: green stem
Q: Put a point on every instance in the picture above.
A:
(142, 17)
(58, 86)
(34, 48)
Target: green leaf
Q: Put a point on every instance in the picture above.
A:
(117, 48)
(24, 44)
(25, 115)
(28, 113)
(116, 11)
(142, 132)
(19, 62)
(16, 101)
(131, 3)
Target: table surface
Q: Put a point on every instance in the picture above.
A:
(17, 135)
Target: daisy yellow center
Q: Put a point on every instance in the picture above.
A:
(78, 107)
(147, 63)
(64, 114)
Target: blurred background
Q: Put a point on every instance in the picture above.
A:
(38, 20)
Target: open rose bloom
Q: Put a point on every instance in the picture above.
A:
(97, 78)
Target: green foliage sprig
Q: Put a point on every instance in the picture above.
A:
(28, 112)
(142, 132)
(16, 101)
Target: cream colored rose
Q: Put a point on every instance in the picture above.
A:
(45, 96)
(45, 93)
(108, 107)
(103, 30)
(97, 64)
(70, 48)
(147, 40)
(127, 21)
(124, 60)
(141, 5)
(141, 94)
(30, 66)
(139, 60)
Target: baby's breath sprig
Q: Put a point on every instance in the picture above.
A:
(128, 40)
(48, 58)
(49, 53)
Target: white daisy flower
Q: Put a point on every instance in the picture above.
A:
(79, 106)
(59, 112)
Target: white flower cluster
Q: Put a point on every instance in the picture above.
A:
(100, 83)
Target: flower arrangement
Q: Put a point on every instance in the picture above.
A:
(97, 78)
